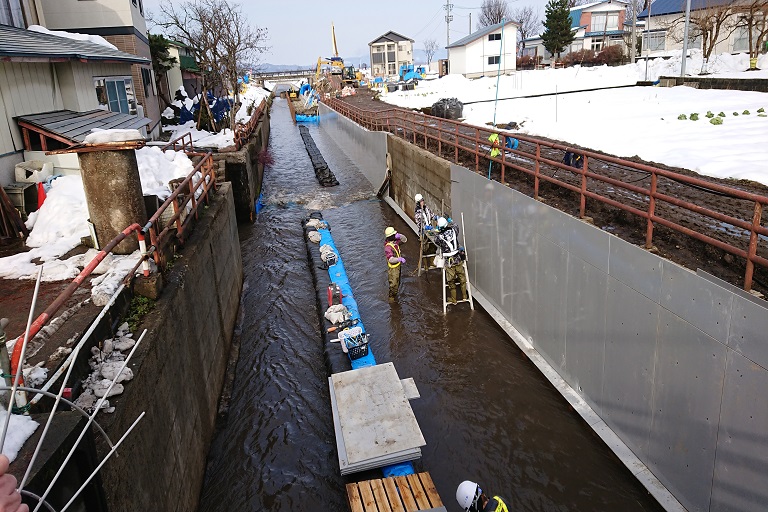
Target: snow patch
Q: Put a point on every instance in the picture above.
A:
(19, 430)
(98, 136)
(73, 35)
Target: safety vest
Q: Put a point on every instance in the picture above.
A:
(451, 241)
(396, 250)
(494, 139)
(500, 506)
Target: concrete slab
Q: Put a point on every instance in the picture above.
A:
(411, 391)
(375, 416)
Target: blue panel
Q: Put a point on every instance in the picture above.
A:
(589, 243)
(635, 267)
(585, 337)
(551, 281)
(686, 409)
(630, 348)
(696, 300)
(741, 465)
(748, 333)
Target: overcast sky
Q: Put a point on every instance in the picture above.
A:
(300, 30)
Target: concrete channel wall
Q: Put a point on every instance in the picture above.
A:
(668, 366)
(179, 371)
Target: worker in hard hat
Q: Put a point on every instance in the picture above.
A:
(447, 240)
(394, 259)
(422, 215)
(472, 499)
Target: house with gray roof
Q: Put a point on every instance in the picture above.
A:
(390, 51)
(485, 52)
(76, 83)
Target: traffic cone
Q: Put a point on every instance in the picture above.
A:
(40, 195)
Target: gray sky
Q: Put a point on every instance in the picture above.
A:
(300, 30)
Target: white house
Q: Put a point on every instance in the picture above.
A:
(665, 26)
(594, 25)
(480, 53)
(389, 52)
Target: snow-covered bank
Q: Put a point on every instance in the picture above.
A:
(635, 121)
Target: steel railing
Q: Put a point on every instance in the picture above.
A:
(651, 201)
(243, 131)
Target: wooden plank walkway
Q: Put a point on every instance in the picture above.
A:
(410, 493)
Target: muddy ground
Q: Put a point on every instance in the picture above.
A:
(669, 243)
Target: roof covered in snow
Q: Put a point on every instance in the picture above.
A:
(21, 45)
(480, 33)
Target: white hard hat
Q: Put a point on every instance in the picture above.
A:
(390, 231)
(418, 197)
(441, 222)
(467, 494)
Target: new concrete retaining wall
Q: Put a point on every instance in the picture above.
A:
(179, 370)
(666, 365)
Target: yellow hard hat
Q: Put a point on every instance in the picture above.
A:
(389, 231)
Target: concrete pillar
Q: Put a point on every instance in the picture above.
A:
(113, 192)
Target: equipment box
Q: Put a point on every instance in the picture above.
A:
(23, 196)
(354, 342)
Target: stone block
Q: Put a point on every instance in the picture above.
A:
(149, 286)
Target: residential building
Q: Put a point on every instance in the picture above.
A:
(41, 73)
(665, 19)
(389, 52)
(594, 25)
(486, 52)
(122, 23)
(184, 73)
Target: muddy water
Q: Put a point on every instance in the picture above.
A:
(485, 411)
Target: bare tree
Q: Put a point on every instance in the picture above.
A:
(753, 18)
(576, 3)
(492, 12)
(529, 21)
(430, 48)
(631, 35)
(219, 37)
(713, 23)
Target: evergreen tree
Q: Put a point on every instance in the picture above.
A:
(558, 35)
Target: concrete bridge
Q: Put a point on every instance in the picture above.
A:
(288, 75)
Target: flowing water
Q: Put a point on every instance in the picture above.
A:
(486, 412)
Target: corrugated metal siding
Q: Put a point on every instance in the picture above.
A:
(26, 88)
(83, 80)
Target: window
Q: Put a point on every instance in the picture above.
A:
(653, 41)
(741, 40)
(401, 47)
(597, 44)
(391, 47)
(392, 68)
(494, 60)
(602, 22)
(391, 56)
(378, 58)
(115, 93)
(494, 37)
(11, 13)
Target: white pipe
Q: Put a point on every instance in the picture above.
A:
(93, 473)
(74, 353)
(144, 258)
(90, 420)
(63, 385)
(23, 355)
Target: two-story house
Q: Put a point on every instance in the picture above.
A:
(485, 52)
(122, 23)
(594, 25)
(389, 52)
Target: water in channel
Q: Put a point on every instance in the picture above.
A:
(486, 412)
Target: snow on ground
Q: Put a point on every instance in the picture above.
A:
(73, 35)
(19, 430)
(58, 226)
(252, 97)
(640, 121)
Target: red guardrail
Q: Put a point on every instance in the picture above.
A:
(243, 131)
(644, 202)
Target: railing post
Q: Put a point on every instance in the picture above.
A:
(651, 212)
(456, 145)
(752, 246)
(440, 138)
(477, 152)
(536, 170)
(582, 195)
(503, 156)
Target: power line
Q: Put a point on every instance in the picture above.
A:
(429, 22)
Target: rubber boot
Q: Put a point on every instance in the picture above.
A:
(452, 293)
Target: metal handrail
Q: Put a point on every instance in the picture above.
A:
(243, 131)
(473, 141)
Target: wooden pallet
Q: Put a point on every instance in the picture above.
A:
(395, 494)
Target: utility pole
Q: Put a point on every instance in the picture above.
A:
(685, 38)
(470, 23)
(448, 19)
(633, 34)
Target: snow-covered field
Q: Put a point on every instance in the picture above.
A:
(640, 121)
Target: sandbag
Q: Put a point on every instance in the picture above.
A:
(448, 108)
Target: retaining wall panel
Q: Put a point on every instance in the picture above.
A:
(506, 252)
(696, 301)
(688, 383)
(551, 281)
(741, 465)
(525, 256)
(589, 243)
(552, 224)
(630, 358)
(586, 304)
(749, 330)
(638, 269)
(485, 231)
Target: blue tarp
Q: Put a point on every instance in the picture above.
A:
(301, 118)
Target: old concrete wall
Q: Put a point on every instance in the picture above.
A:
(736, 84)
(179, 370)
(243, 170)
(417, 171)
